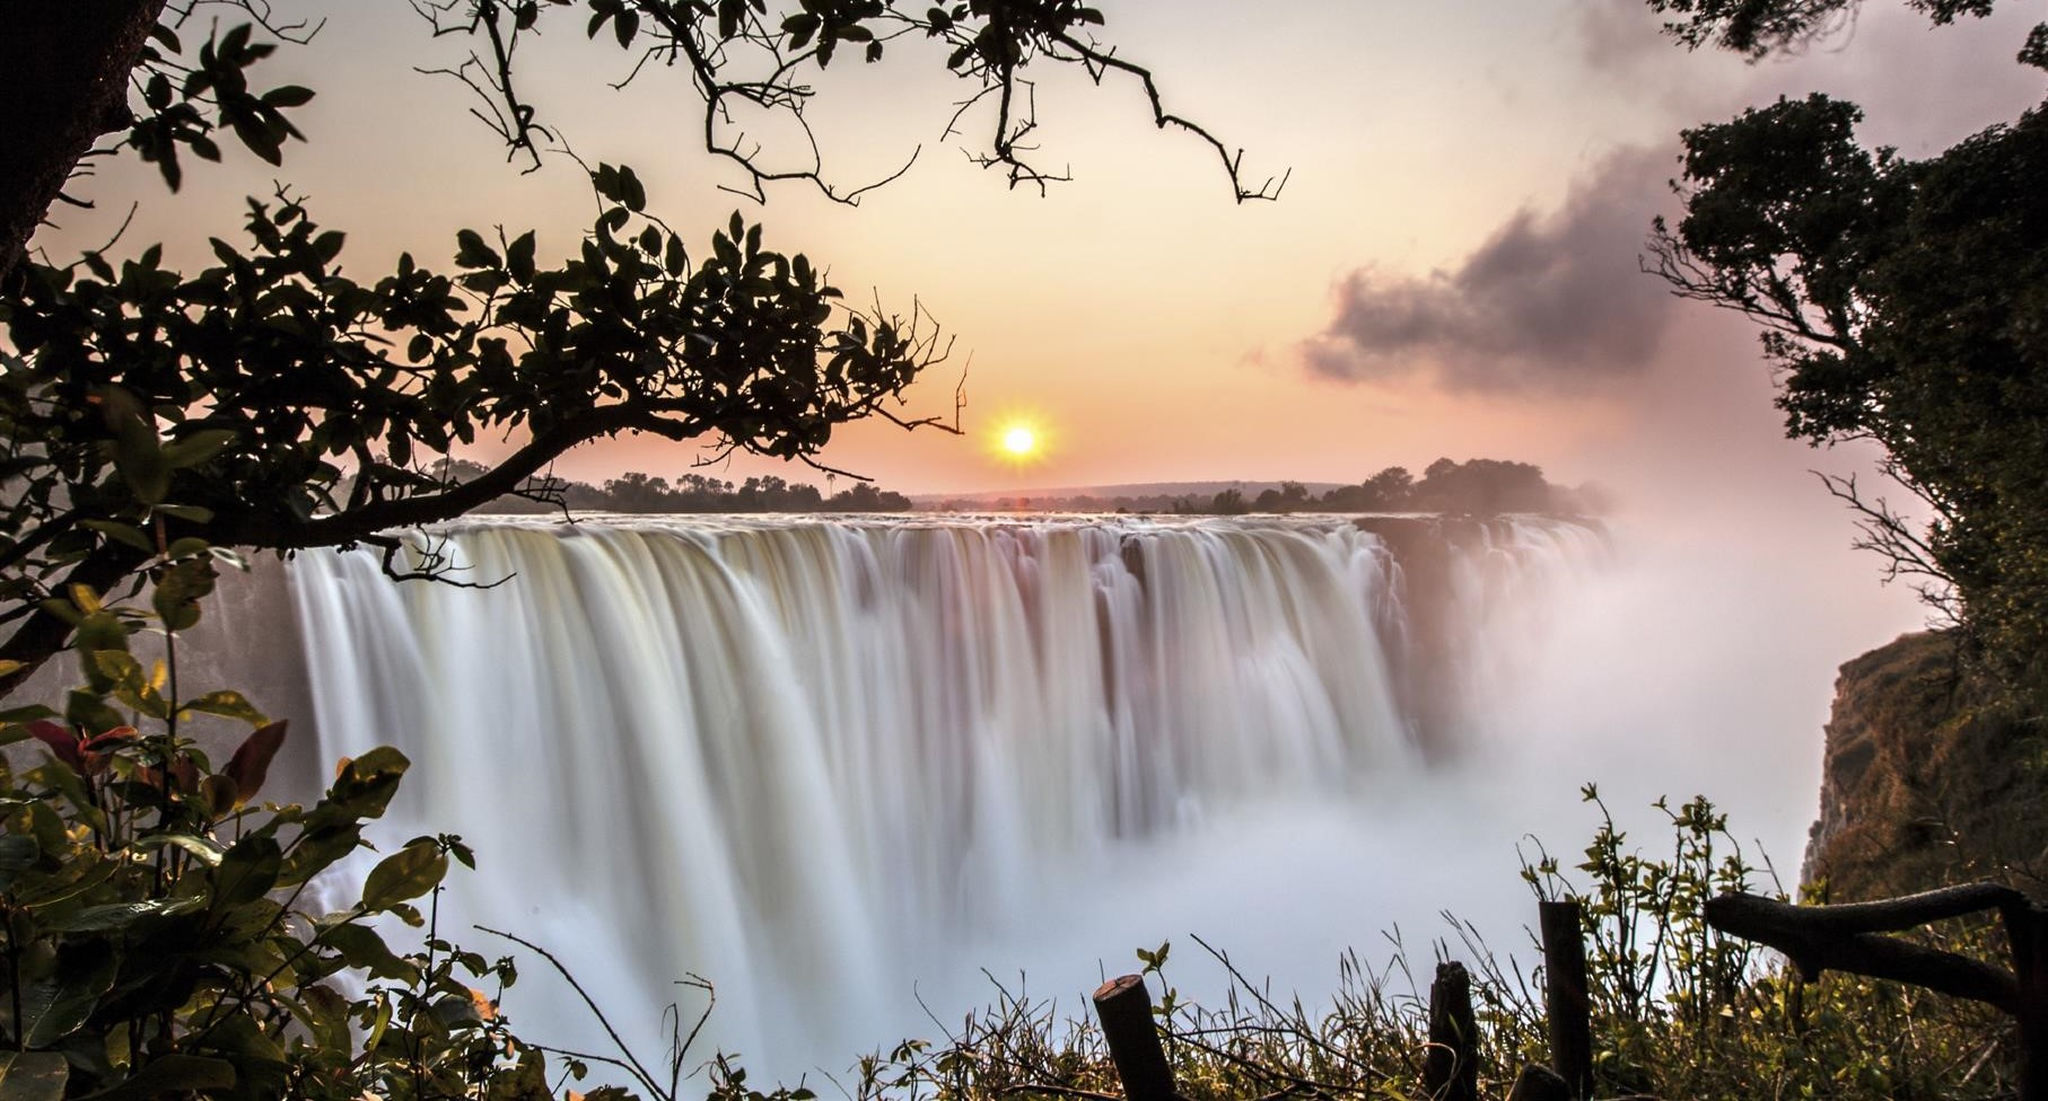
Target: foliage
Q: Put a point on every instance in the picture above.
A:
(1758, 27)
(1679, 1011)
(1901, 302)
(158, 938)
(635, 491)
(1478, 487)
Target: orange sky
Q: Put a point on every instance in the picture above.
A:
(1152, 329)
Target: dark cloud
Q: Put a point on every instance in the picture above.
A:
(1553, 303)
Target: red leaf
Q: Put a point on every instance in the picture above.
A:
(251, 762)
(112, 739)
(61, 741)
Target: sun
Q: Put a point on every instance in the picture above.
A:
(1019, 440)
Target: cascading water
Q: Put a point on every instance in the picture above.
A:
(809, 759)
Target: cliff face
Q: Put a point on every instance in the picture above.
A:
(1924, 781)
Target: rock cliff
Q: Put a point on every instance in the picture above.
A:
(1925, 781)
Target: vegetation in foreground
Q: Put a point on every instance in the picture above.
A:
(1679, 1011)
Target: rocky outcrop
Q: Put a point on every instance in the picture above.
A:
(1926, 781)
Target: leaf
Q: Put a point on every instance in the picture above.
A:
(120, 533)
(171, 1074)
(317, 851)
(179, 590)
(62, 742)
(361, 947)
(363, 787)
(228, 704)
(194, 513)
(472, 252)
(207, 850)
(519, 257)
(248, 871)
(32, 1076)
(121, 915)
(408, 873)
(55, 1006)
(290, 95)
(251, 762)
(17, 855)
(197, 447)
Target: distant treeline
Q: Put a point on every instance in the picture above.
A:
(1479, 487)
(638, 492)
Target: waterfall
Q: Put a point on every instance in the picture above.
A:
(808, 758)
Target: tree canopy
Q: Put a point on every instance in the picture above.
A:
(1901, 302)
(270, 401)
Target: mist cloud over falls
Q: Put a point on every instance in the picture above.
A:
(1554, 303)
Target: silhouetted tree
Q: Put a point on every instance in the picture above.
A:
(1902, 302)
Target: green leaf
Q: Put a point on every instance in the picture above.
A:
(55, 1006)
(17, 855)
(171, 1075)
(194, 449)
(207, 850)
(364, 786)
(361, 947)
(317, 851)
(120, 533)
(228, 704)
(179, 590)
(408, 873)
(193, 513)
(121, 915)
(248, 871)
(32, 1076)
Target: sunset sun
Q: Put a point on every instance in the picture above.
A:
(1019, 440)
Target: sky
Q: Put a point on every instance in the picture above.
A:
(1450, 270)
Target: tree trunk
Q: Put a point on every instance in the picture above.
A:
(64, 68)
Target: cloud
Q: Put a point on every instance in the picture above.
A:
(1623, 38)
(1556, 303)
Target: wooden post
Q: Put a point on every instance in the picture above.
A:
(1565, 998)
(1450, 1070)
(1125, 1008)
(2026, 926)
(1539, 1083)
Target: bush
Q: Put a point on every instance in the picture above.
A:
(157, 935)
(1680, 1011)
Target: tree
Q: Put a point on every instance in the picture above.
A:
(1901, 302)
(271, 402)
(1390, 488)
(1758, 27)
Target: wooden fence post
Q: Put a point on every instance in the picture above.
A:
(1539, 1083)
(1845, 937)
(1450, 1069)
(2026, 927)
(1125, 1009)
(1565, 998)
